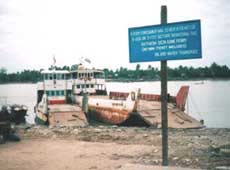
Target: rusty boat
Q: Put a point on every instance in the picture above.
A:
(139, 109)
(110, 111)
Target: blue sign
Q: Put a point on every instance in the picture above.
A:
(181, 40)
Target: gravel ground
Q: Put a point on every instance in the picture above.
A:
(110, 147)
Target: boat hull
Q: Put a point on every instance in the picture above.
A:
(41, 119)
(106, 110)
(108, 115)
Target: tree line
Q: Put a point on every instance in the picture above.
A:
(124, 74)
(179, 73)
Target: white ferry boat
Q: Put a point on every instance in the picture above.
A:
(57, 91)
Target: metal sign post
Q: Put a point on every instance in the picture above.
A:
(167, 41)
(164, 104)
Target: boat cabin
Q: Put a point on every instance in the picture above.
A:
(56, 84)
(91, 81)
(61, 85)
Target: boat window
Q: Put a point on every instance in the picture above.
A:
(132, 95)
(98, 75)
(58, 93)
(54, 76)
(52, 93)
(87, 85)
(62, 93)
(50, 76)
(92, 86)
(68, 76)
(78, 86)
(79, 75)
(46, 76)
(88, 74)
(74, 75)
(58, 76)
(82, 86)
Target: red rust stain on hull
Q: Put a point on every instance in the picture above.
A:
(110, 115)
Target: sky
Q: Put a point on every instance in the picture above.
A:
(33, 31)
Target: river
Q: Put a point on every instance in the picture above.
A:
(208, 100)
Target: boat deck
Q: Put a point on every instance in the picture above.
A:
(66, 114)
(150, 112)
(64, 108)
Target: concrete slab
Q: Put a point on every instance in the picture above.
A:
(148, 167)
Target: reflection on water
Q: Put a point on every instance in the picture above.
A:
(208, 100)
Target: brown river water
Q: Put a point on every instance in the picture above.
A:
(207, 100)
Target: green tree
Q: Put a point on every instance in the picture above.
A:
(3, 75)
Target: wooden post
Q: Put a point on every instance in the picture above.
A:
(164, 105)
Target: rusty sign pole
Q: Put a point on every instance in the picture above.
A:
(164, 104)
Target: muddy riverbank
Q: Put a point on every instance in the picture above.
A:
(110, 147)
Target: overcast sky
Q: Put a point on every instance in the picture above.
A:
(31, 31)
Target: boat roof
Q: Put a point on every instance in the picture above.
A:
(55, 71)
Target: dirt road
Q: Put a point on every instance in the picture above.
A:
(108, 148)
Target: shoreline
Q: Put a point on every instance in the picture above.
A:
(114, 146)
(169, 79)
